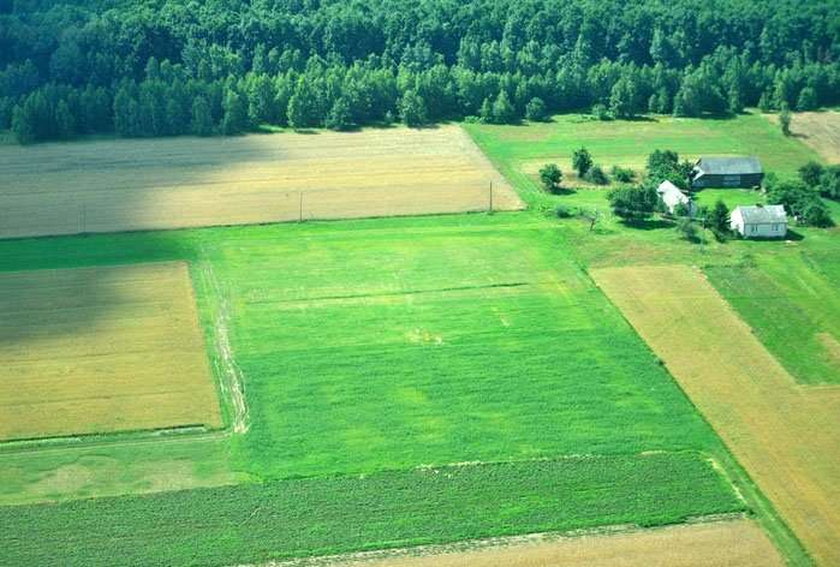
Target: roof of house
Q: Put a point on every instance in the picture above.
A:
(741, 165)
(762, 214)
(671, 192)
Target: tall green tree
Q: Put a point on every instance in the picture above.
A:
(201, 122)
(235, 120)
(413, 109)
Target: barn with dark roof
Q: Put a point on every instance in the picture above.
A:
(743, 171)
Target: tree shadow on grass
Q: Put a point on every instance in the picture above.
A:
(647, 224)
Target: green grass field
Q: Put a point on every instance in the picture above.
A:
(374, 346)
(297, 518)
(790, 299)
(785, 291)
(371, 350)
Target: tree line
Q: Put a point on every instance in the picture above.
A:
(165, 67)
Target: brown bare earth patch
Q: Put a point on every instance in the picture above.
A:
(787, 436)
(738, 543)
(118, 185)
(820, 131)
(123, 354)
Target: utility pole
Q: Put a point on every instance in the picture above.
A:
(300, 206)
(491, 196)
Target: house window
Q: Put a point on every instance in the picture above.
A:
(753, 228)
(775, 228)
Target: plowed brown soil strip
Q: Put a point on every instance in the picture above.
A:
(787, 436)
(104, 349)
(737, 543)
(118, 185)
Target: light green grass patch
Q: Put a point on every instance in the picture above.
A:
(388, 348)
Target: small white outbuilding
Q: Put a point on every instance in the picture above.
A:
(759, 221)
(672, 196)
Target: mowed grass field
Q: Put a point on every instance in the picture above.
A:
(367, 347)
(785, 435)
(820, 131)
(374, 355)
(120, 185)
(102, 349)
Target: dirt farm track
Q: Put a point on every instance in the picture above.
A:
(118, 185)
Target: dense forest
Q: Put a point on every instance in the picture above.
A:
(168, 67)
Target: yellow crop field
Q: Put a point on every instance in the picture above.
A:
(736, 543)
(103, 349)
(118, 185)
(786, 435)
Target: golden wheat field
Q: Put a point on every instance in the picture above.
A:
(118, 185)
(735, 543)
(786, 435)
(103, 349)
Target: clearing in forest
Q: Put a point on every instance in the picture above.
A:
(92, 350)
(121, 185)
(785, 435)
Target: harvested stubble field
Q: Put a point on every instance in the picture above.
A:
(736, 543)
(119, 185)
(784, 434)
(103, 349)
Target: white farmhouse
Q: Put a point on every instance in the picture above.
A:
(759, 221)
(673, 196)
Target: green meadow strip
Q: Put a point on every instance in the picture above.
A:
(307, 517)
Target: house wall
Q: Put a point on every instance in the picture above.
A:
(775, 230)
(745, 181)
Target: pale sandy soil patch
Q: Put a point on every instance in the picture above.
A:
(118, 185)
(787, 436)
(104, 349)
(739, 543)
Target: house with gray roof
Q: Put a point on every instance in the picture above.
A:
(759, 221)
(741, 171)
